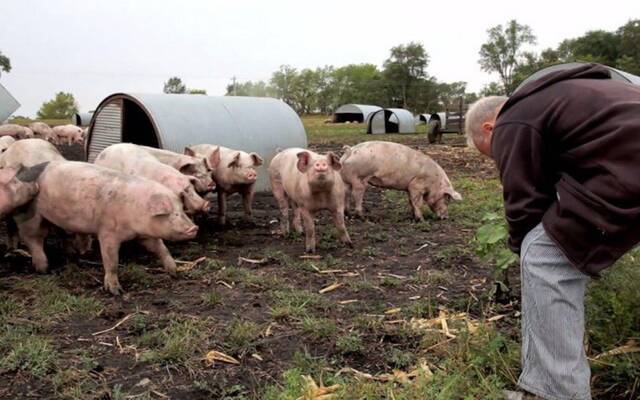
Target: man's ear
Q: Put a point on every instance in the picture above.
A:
(487, 127)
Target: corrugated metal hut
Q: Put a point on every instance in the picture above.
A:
(354, 113)
(8, 104)
(616, 74)
(173, 121)
(391, 120)
(83, 119)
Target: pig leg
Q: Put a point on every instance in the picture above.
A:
(222, 207)
(297, 219)
(347, 196)
(416, 199)
(109, 248)
(33, 232)
(13, 240)
(157, 247)
(283, 204)
(309, 230)
(358, 188)
(338, 220)
(247, 201)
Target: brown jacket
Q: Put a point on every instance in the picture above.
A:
(568, 150)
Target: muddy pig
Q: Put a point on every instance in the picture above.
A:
(396, 166)
(16, 131)
(69, 134)
(43, 131)
(234, 172)
(308, 182)
(93, 200)
(132, 160)
(187, 164)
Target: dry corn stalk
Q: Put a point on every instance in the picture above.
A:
(626, 349)
(329, 288)
(214, 356)
(189, 265)
(314, 392)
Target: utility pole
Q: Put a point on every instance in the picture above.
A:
(233, 79)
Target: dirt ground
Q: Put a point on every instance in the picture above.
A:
(274, 305)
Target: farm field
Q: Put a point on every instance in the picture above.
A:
(408, 313)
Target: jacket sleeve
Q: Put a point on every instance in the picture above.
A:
(518, 151)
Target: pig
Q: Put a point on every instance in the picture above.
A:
(309, 182)
(116, 207)
(16, 131)
(70, 134)
(25, 153)
(234, 172)
(396, 166)
(187, 164)
(132, 160)
(29, 152)
(17, 187)
(43, 131)
(5, 142)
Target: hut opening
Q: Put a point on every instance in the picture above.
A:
(136, 125)
(173, 122)
(391, 120)
(354, 113)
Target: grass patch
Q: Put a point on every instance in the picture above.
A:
(293, 303)
(240, 333)
(31, 354)
(318, 328)
(176, 344)
(350, 343)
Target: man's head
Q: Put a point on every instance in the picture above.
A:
(480, 121)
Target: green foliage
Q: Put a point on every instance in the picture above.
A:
(502, 53)
(350, 343)
(491, 240)
(5, 63)
(63, 106)
(197, 91)
(30, 354)
(174, 85)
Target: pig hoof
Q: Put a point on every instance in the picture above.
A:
(348, 243)
(310, 250)
(42, 269)
(115, 290)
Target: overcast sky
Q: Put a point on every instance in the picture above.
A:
(95, 48)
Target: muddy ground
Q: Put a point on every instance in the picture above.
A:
(274, 307)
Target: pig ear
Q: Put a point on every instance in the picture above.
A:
(334, 161)
(160, 205)
(303, 161)
(257, 160)
(188, 151)
(187, 168)
(214, 158)
(451, 194)
(235, 163)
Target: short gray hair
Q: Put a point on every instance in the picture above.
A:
(480, 112)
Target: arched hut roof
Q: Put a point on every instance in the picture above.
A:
(174, 121)
(354, 112)
(392, 120)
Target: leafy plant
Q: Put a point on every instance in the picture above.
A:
(491, 245)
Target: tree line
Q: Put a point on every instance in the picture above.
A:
(403, 80)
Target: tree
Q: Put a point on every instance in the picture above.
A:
(492, 89)
(174, 85)
(5, 63)
(249, 88)
(629, 56)
(282, 81)
(357, 83)
(63, 106)
(405, 67)
(595, 46)
(502, 53)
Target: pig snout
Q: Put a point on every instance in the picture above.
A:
(321, 166)
(191, 232)
(251, 175)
